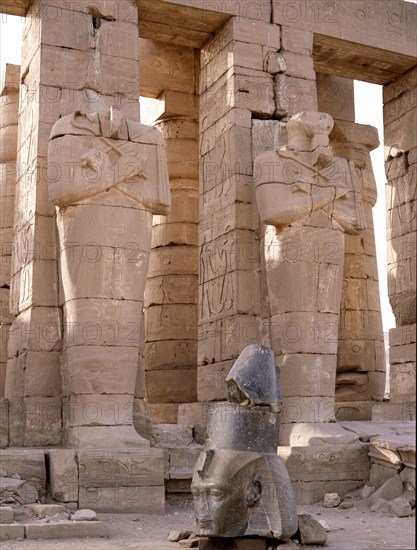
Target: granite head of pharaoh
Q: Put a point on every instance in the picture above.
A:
(238, 493)
(225, 489)
(309, 131)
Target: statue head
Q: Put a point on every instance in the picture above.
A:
(309, 131)
(225, 489)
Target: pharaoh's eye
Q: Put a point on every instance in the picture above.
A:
(217, 494)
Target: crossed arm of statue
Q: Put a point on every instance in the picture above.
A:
(303, 177)
(95, 153)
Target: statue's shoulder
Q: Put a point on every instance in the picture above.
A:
(77, 123)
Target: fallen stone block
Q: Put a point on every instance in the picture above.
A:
(380, 505)
(367, 491)
(72, 529)
(84, 515)
(9, 532)
(189, 543)
(401, 508)
(6, 514)
(391, 489)
(176, 536)
(310, 530)
(331, 500)
(42, 511)
(346, 505)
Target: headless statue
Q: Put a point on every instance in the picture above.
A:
(308, 199)
(107, 177)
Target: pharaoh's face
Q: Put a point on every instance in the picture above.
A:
(220, 510)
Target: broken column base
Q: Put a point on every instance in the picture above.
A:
(322, 458)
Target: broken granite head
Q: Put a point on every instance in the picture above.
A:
(240, 486)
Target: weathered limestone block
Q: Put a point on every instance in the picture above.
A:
(164, 413)
(10, 532)
(62, 475)
(294, 95)
(335, 96)
(212, 381)
(34, 373)
(296, 40)
(29, 464)
(170, 352)
(123, 480)
(171, 386)
(403, 382)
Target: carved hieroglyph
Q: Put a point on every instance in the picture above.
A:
(107, 176)
(308, 199)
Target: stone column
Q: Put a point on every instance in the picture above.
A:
(172, 285)
(9, 106)
(235, 86)
(66, 52)
(360, 379)
(400, 135)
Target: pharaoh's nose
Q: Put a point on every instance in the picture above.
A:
(204, 507)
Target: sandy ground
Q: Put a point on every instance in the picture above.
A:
(354, 529)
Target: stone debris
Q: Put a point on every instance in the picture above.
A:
(346, 505)
(57, 518)
(380, 505)
(84, 515)
(42, 511)
(331, 500)
(13, 490)
(310, 530)
(367, 490)
(189, 543)
(392, 488)
(176, 536)
(401, 507)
